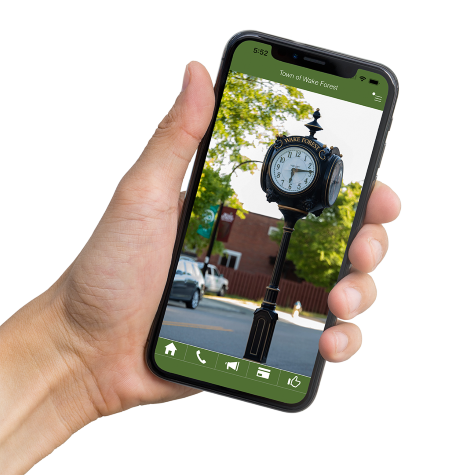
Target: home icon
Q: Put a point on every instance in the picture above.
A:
(170, 348)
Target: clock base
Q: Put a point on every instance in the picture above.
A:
(265, 317)
(260, 336)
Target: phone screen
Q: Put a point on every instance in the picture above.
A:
(287, 139)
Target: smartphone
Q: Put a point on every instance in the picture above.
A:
(278, 191)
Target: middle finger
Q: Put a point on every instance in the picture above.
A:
(368, 248)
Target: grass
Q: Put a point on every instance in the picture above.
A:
(303, 313)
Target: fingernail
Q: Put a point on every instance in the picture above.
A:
(341, 341)
(377, 252)
(186, 79)
(353, 298)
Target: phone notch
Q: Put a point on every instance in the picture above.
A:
(314, 60)
(323, 63)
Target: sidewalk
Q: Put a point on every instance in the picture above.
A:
(283, 316)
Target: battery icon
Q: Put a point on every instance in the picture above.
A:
(373, 81)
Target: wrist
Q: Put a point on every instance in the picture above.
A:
(44, 386)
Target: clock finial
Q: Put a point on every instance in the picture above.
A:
(314, 125)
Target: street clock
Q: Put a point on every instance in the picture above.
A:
(301, 175)
(302, 172)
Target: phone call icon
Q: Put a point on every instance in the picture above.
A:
(202, 361)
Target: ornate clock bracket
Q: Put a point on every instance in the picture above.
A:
(271, 195)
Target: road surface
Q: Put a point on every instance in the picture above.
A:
(224, 327)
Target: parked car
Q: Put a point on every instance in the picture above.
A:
(188, 284)
(214, 281)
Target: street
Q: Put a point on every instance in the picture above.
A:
(224, 327)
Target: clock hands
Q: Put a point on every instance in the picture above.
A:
(296, 170)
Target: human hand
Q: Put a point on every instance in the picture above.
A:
(76, 352)
(356, 292)
(85, 336)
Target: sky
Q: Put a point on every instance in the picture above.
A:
(350, 127)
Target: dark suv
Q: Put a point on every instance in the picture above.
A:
(188, 285)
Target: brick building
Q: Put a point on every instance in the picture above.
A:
(250, 248)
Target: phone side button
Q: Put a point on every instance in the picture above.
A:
(381, 156)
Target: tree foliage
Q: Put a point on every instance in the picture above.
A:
(213, 189)
(251, 113)
(318, 244)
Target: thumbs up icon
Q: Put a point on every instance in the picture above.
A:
(294, 382)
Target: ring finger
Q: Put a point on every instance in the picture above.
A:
(354, 294)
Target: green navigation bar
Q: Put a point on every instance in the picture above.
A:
(366, 88)
(230, 372)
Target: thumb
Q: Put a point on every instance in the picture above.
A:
(156, 177)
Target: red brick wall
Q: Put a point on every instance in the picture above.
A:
(250, 237)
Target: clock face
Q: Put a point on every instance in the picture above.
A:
(293, 170)
(335, 180)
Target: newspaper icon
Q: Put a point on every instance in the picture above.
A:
(263, 373)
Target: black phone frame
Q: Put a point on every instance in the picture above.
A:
(339, 62)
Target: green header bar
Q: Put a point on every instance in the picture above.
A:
(255, 58)
(230, 372)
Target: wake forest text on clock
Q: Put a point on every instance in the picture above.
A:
(304, 140)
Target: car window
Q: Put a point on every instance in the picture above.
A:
(181, 267)
(196, 271)
(208, 271)
(215, 272)
(188, 269)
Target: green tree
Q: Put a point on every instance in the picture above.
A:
(213, 189)
(252, 111)
(318, 244)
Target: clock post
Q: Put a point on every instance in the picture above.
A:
(301, 175)
(265, 317)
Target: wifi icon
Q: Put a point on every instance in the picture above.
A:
(362, 78)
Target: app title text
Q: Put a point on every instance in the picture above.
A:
(301, 77)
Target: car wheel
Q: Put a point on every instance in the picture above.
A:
(222, 291)
(195, 300)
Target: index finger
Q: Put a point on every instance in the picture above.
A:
(384, 205)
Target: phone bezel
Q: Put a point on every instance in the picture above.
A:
(376, 156)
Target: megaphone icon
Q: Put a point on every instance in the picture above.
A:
(233, 365)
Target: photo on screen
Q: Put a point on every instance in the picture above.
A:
(236, 228)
